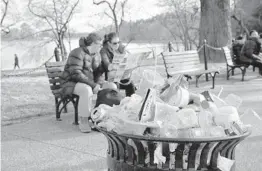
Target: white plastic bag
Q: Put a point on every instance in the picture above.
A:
(224, 164)
(233, 100)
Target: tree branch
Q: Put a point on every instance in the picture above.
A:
(5, 11)
(114, 8)
(109, 15)
(123, 13)
(69, 16)
(241, 24)
(102, 2)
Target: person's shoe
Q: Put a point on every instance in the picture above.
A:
(84, 125)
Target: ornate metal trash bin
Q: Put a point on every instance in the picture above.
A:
(132, 152)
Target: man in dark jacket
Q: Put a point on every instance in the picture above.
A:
(78, 79)
(237, 46)
(250, 53)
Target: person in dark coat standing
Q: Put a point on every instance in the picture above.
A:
(250, 53)
(16, 64)
(110, 48)
(57, 54)
(77, 77)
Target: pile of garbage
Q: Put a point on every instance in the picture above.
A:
(171, 110)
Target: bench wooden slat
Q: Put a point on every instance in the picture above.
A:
(186, 63)
(54, 80)
(55, 64)
(180, 53)
(174, 60)
(228, 57)
(55, 87)
(54, 74)
(55, 69)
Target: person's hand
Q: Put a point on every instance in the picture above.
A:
(111, 67)
(96, 89)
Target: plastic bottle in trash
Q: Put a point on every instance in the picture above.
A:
(207, 113)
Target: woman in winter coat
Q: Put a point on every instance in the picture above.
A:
(111, 46)
(78, 79)
(250, 53)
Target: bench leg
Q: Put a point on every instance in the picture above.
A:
(197, 78)
(243, 73)
(65, 107)
(254, 68)
(57, 104)
(75, 103)
(228, 72)
(233, 71)
(213, 75)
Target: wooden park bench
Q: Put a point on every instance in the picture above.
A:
(54, 70)
(231, 65)
(188, 64)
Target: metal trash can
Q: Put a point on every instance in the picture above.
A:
(131, 152)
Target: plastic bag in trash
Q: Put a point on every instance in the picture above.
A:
(227, 115)
(163, 111)
(147, 79)
(101, 112)
(159, 159)
(176, 95)
(224, 164)
(233, 100)
(205, 119)
(187, 117)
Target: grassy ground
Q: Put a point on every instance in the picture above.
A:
(25, 97)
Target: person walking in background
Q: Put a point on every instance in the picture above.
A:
(16, 64)
(57, 54)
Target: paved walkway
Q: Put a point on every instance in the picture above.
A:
(47, 145)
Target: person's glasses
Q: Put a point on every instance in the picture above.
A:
(115, 43)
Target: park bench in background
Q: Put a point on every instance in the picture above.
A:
(231, 66)
(54, 70)
(188, 64)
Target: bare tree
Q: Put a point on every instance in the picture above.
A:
(56, 14)
(117, 10)
(182, 21)
(4, 29)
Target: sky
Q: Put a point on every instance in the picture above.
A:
(89, 17)
(135, 10)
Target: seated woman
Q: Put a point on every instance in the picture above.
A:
(250, 53)
(78, 79)
(110, 48)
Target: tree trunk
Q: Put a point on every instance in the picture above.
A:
(215, 27)
(116, 23)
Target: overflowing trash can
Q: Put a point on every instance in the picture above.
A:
(131, 152)
(169, 127)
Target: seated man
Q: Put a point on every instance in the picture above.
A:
(237, 46)
(250, 53)
(78, 79)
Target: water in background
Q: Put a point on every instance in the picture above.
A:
(32, 54)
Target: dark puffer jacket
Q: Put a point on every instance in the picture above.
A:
(79, 68)
(251, 46)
